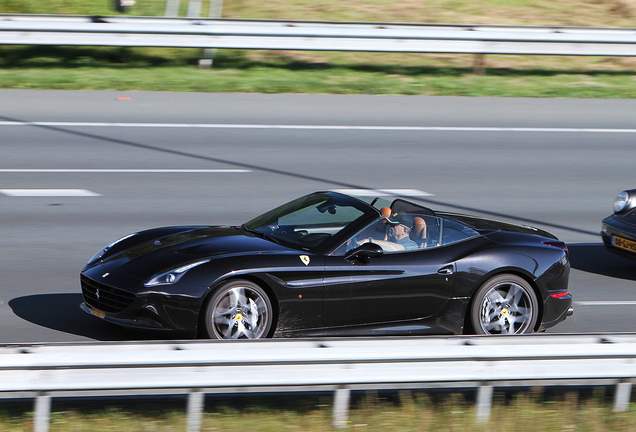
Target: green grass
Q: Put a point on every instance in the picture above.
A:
(125, 69)
(403, 412)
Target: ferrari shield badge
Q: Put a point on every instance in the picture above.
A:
(304, 259)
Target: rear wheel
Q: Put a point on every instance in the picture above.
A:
(238, 310)
(505, 304)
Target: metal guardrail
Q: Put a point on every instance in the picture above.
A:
(339, 365)
(307, 35)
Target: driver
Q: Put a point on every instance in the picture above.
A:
(399, 228)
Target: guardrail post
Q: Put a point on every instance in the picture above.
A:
(479, 67)
(194, 9)
(196, 399)
(42, 412)
(341, 407)
(216, 10)
(484, 402)
(172, 8)
(622, 396)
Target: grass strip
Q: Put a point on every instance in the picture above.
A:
(137, 69)
(155, 69)
(532, 411)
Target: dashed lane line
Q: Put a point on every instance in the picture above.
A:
(384, 192)
(124, 171)
(605, 303)
(48, 193)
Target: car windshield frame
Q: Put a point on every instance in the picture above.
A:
(315, 223)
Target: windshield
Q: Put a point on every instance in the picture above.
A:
(311, 222)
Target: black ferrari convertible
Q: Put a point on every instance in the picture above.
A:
(336, 265)
(619, 229)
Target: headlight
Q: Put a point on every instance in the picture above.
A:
(171, 276)
(102, 252)
(621, 201)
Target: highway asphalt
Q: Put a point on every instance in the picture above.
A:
(135, 160)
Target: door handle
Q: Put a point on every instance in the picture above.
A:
(448, 270)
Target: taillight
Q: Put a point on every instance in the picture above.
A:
(559, 244)
(560, 294)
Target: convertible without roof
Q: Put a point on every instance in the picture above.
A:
(329, 264)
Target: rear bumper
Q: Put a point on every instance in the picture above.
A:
(563, 304)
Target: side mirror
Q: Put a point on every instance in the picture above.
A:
(367, 250)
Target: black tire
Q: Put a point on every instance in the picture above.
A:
(505, 304)
(238, 309)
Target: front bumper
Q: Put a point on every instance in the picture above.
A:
(613, 228)
(123, 300)
(132, 323)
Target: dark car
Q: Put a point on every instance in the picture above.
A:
(619, 229)
(332, 264)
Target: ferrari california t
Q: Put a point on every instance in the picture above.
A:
(329, 264)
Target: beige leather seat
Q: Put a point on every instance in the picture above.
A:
(418, 233)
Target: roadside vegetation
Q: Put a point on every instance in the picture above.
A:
(163, 69)
(404, 412)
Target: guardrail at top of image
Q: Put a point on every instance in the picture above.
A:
(307, 28)
(313, 35)
(115, 19)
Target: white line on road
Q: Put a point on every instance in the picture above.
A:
(115, 170)
(313, 127)
(605, 303)
(48, 193)
(384, 192)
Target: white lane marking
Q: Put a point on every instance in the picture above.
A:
(384, 192)
(314, 127)
(605, 303)
(115, 170)
(48, 193)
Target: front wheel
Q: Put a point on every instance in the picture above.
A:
(238, 310)
(505, 304)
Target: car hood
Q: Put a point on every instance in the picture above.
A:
(161, 253)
